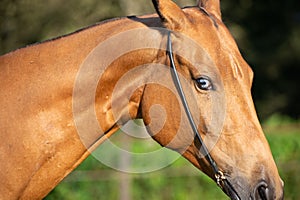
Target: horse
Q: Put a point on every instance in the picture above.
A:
(179, 70)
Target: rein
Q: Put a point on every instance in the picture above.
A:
(221, 179)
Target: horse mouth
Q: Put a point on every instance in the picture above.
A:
(229, 190)
(233, 195)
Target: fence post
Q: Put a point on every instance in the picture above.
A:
(125, 178)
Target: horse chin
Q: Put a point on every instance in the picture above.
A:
(238, 189)
(229, 190)
(233, 196)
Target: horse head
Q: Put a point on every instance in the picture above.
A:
(217, 82)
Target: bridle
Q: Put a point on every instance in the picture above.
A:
(221, 179)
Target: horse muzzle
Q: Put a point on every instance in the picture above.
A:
(236, 190)
(263, 191)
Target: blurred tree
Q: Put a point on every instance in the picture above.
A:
(25, 22)
(267, 32)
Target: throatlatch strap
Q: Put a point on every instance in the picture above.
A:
(220, 178)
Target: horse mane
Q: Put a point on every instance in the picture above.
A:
(75, 32)
(132, 17)
(142, 19)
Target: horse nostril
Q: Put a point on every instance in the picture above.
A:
(262, 191)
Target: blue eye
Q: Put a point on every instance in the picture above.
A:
(204, 83)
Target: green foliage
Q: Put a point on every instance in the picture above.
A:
(177, 182)
(25, 22)
(283, 134)
(93, 180)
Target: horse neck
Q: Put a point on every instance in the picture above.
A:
(116, 98)
(53, 112)
(110, 83)
(59, 67)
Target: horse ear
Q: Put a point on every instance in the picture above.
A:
(212, 6)
(170, 14)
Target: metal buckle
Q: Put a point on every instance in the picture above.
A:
(220, 178)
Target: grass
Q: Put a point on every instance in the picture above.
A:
(283, 135)
(180, 181)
